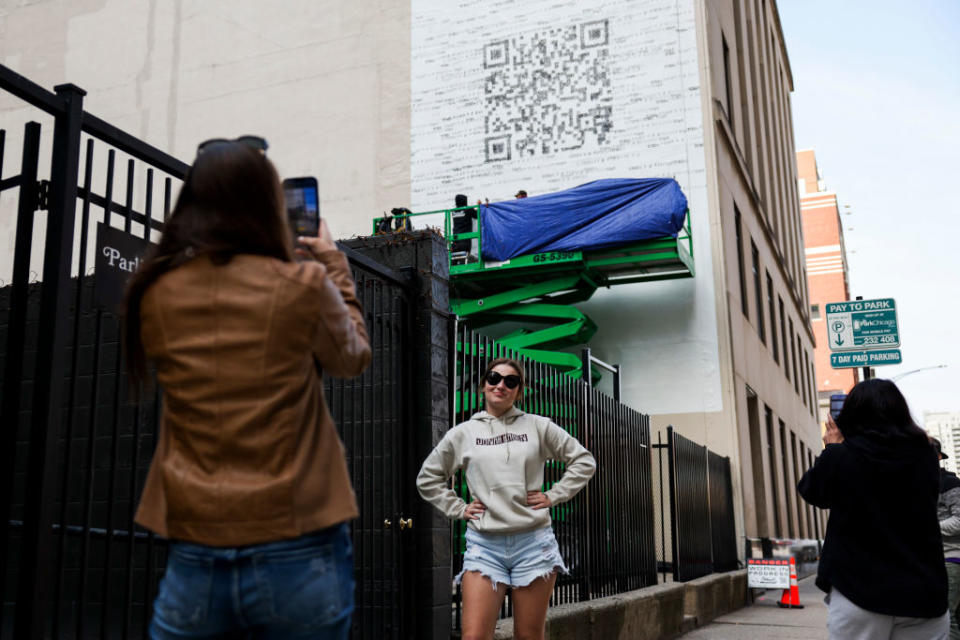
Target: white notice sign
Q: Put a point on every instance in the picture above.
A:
(768, 574)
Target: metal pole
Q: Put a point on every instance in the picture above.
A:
(866, 370)
(585, 369)
(32, 606)
(16, 331)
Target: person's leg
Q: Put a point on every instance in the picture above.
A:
(953, 597)
(481, 602)
(530, 605)
(847, 621)
(921, 628)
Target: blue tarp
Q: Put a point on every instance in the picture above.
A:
(602, 213)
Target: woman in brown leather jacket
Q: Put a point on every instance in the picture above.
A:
(249, 479)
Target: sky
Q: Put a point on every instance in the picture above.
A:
(876, 95)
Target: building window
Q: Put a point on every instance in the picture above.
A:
(772, 461)
(726, 81)
(743, 278)
(815, 311)
(794, 348)
(788, 485)
(786, 343)
(758, 292)
(773, 320)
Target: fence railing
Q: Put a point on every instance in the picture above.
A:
(697, 520)
(606, 533)
(74, 451)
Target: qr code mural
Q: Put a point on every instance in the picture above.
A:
(547, 91)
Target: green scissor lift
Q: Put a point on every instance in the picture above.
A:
(538, 291)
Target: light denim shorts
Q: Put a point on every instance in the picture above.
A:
(514, 559)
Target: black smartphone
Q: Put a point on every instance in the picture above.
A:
(836, 403)
(303, 206)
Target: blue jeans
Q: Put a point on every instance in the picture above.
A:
(292, 589)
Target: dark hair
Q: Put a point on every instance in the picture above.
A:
(231, 202)
(460, 200)
(507, 361)
(876, 408)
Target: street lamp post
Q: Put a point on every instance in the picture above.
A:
(904, 375)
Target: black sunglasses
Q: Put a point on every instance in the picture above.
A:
(254, 142)
(494, 378)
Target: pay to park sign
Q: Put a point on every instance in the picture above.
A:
(862, 324)
(863, 333)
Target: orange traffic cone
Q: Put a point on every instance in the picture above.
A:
(791, 597)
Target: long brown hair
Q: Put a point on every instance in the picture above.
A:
(516, 367)
(231, 202)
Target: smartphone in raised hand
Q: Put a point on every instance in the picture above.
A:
(303, 206)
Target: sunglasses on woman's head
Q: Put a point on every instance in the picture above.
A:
(494, 378)
(254, 142)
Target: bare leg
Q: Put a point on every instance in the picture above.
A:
(530, 605)
(481, 602)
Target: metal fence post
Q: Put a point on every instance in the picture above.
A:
(16, 332)
(674, 529)
(32, 607)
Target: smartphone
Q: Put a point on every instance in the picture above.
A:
(303, 206)
(836, 403)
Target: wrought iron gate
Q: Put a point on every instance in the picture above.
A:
(74, 452)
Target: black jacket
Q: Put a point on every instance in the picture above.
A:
(882, 549)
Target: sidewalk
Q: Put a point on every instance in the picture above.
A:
(764, 620)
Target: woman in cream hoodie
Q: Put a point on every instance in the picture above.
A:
(510, 539)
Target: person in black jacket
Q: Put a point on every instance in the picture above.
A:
(882, 562)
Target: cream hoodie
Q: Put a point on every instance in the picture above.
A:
(503, 459)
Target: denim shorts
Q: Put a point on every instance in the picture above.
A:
(514, 559)
(299, 588)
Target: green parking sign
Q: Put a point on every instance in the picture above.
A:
(858, 325)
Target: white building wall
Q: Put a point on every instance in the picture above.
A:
(327, 82)
(544, 96)
(945, 426)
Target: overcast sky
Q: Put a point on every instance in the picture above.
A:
(876, 94)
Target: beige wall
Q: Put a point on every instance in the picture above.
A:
(326, 82)
(755, 169)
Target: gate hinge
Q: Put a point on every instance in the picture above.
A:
(43, 195)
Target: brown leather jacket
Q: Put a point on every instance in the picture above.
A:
(247, 450)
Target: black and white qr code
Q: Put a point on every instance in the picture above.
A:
(547, 92)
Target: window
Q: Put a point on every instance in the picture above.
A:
(797, 367)
(783, 334)
(772, 460)
(758, 291)
(794, 348)
(743, 280)
(726, 81)
(815, 311)
(773, 320)
(795, 467)
(790, 499)
(756, 465)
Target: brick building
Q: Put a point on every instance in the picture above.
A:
(826, 272)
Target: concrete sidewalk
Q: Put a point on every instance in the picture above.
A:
(765, 620)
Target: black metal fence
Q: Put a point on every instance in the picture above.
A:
(74, 452)
(606, 533)
(699, 514)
